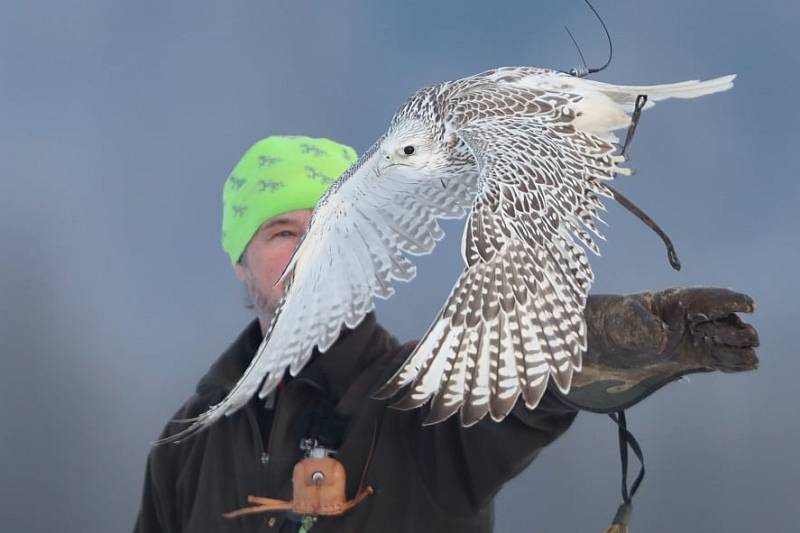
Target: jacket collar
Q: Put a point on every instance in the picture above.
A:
(331, 372)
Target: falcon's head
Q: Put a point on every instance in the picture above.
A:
(412, 144)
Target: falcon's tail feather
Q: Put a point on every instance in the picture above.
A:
(625, 95)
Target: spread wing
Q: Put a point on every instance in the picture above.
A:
(515, 316)
(544, 144)
(543, 141)
(354, 249)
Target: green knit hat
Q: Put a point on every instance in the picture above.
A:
(277, 175)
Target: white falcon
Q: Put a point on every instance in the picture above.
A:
(524, 152)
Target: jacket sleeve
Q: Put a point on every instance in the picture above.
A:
(464, 468)
(160, 508)
(497, 452)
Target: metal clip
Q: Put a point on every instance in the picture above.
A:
(311, 448)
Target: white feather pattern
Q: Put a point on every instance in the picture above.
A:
(541, 142)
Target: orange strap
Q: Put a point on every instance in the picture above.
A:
(266, 505)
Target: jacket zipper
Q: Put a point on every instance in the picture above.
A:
(263, 455)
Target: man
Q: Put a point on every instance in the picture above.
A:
(435, 478)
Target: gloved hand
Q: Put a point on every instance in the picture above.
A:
(696, 326)
(637, 343)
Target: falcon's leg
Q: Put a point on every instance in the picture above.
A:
(637, 111)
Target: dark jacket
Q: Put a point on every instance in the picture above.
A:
(436, 478)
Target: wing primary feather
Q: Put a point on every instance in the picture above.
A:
(450, 396)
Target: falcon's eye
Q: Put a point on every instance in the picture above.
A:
(408, 150)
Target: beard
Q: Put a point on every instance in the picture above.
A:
(264, 305)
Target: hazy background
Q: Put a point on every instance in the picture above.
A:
(119, 122)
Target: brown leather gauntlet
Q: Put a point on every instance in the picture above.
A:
(638, 343)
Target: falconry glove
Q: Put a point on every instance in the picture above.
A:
(638, 343)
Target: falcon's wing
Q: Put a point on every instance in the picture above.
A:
(515, 316)
(543, 140)
(353, 250)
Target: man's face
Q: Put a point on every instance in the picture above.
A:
(266, 256)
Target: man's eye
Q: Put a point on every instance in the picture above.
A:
(285, 233)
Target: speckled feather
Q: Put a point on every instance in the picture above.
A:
(525, 152)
